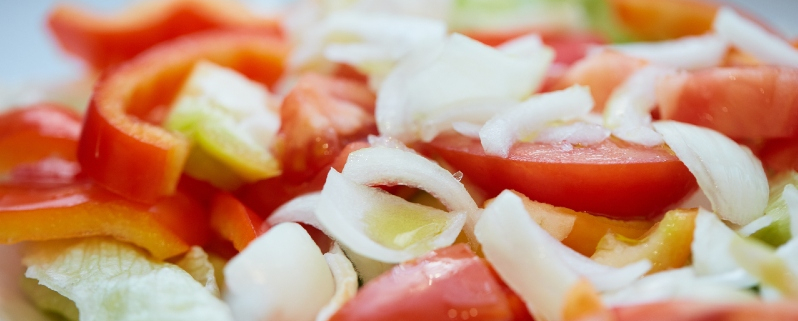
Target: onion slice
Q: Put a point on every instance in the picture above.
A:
(535, 265)
(531, 116)
(381, 226)
(753, 39)
(628, 109)
(711, 251)
(470, 71)
(301, 209)
(280, 275)
(684, 53)
(345, 282)
(730, 175)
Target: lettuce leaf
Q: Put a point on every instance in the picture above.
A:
(110, 280)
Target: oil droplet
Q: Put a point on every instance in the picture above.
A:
(452, 313)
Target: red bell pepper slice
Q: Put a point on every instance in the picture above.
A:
(121, 147)
(36, 132)
(103, 41)
(40, 213)
(234, 222)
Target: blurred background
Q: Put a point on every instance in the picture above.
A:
(29, 56)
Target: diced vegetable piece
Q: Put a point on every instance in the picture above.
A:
(664, 19)
(234, 222)
(36, 132)
(121, 147)
(106, 40)
(667, 245)
(774, 227)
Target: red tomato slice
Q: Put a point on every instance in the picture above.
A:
(613, 178)
(319, 117)
(447, 284)
(779, 154)
(744, 102)
(33, 133)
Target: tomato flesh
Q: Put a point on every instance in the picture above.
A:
(446, 284)
(743, 102)
(613, 178)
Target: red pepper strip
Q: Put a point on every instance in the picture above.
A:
(104, 41)
(165, 229)
(235, 222)
(36, 132)
(121, 148)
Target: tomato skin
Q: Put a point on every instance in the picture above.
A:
(756, 102)
(32, 133)
(448, 283)
(121, 147)
(612, 179)
(104, 41)
(318, 118)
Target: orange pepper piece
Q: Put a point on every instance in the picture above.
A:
(40, 213)
(32, 133)
(103, 41)
(233, 221)
(122, 148)
(653, 20)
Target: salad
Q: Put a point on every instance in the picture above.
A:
(407, 160)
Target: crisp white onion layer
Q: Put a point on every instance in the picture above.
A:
(280, 275)
(524, 120)
(674, 284)
(751, 38)
(345, 282)
(346, 207)
(476, 111)
(578, 133)
(711, 250)
(730, 175)
(684, 53)
(457, 70)
(301, 209)
(534, 264)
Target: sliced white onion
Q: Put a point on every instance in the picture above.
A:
(751, 38)
(522, 46)
(386, 166)
(534, 264)
(765, 264)
(457, 70)
(345, 282)
(362, 38)
(578, 133)
(680, 283)
(301, 209)
(531, 116)
(280, 275)
(711, 248)
(684, 53)
(476, 111)
(730, 175)
(467, 129)
(346, 209)
(631, 102)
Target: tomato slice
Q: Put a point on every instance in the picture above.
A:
(744, 102)
(613, 178)
(33, 133)
(103, 41)
(319, 117)
(446, 284)
(779, 154)
(700, 311)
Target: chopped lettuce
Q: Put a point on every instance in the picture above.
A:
(110, 280)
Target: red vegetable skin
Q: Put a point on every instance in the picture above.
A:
(613, 178)
(103, 41)
(446, 284)
(234, 222)
(757, 102)
(39, 213)
(121, 147)
(33, 133)
(601, 72)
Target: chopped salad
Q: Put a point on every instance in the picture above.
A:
(407, 160)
